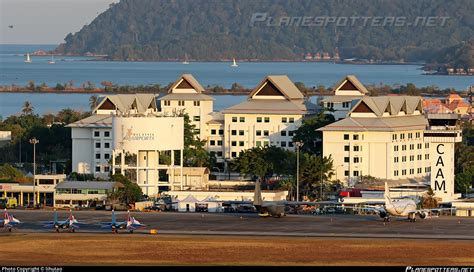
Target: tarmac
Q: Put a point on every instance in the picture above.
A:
(250, 224)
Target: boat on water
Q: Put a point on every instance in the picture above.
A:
(185, 59)
(51, 61)
(28, 59)
(234, 64)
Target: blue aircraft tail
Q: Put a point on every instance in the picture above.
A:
(113, 217)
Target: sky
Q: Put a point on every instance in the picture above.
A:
(46, 21)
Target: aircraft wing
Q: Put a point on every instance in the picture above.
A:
(236, 202)
(434, 209)
(310, 203)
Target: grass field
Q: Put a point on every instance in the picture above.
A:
(126, 249)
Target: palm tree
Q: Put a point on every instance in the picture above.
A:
(429, 200)
(288, 184)
(93, 100)
(27, 108)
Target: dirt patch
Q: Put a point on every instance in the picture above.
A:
(126, 249)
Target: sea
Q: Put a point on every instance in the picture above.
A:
(13, 70)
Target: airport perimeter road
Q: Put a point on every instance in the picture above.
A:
(354, 226)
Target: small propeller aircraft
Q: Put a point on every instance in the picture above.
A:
(70, 224)
(130, 224)
(9, 222)
(401, 208)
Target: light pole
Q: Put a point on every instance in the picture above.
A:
(34, 141)
(298, 146)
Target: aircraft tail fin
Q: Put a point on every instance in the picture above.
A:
(386, 194)
(257, 197)
(113, 217)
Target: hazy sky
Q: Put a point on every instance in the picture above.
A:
(46, 21)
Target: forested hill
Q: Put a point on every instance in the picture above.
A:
(222, 29)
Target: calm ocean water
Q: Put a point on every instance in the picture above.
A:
(13, 70)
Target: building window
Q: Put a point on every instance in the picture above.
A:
(412, 157)
(346, 148)
(427, 145)
(346, 173)
(395, 159)
(427, 156)
(410, 135)
(418, 171)
(219, 153)
(213, 132)
(106, 156)
(97, 169)
(291, 133)
(97, 145)
(404, 147)
(395, 173)
(266, 143)
(395, 148)
(412, 147)
(221, 132)
(345, 104)
(291, 120)
(346, 159)
(233, 132)
(180, 102)
(97, 155)
(234, 143)
(241, 132)
(166, 103)
(234, 119)
(241, 143)
(106, 169)
(419, 146)
(356, 173)
(290, 144)
(283, 133)
(106, 145)
(267, 119)
(242, 119)
(356, 148)
(412, 171)
(404, 172)
(258, 143)
(219, 143)
(258, 133)
(419, 157)
(265, 133)
(402, 136)
(283, 144)
(330, 105)
(259, 119)
(197, 118)
(234, 154)
(107, 134)
(212, 142)
(355, 137)
(346, 136)
(197, 103)
(96, 133)
(284, 119)
(356, 159)
(418, 136)
(394, 137)
(404, 158)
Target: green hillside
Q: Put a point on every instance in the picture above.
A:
(222, 29)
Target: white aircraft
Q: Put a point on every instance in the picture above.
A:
(401, 208)
(130, 224)
(9, 222)
(70, 224)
